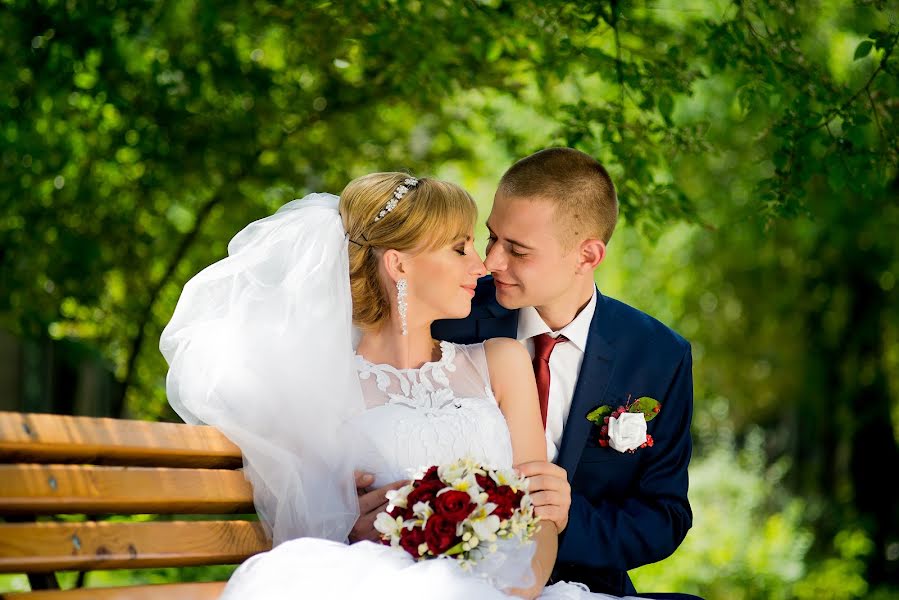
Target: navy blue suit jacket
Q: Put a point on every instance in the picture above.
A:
(627, 509)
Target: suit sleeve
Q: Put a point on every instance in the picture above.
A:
(653, 520)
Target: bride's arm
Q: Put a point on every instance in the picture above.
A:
(512, 380)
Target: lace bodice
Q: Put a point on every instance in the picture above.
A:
(437, 413)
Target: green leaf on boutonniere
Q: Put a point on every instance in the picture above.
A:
(650, 407)
(596, 415)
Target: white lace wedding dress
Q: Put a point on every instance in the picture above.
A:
(261, 347)
(413, 418)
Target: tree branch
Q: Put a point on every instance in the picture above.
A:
(836, 141)
(876, 117)
(619, 71)
(147, 312)
(828, 117)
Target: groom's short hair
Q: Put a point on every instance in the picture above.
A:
(575, 182)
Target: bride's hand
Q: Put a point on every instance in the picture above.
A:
(371, 502)
(549, 489)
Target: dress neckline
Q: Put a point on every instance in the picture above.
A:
(447, 355)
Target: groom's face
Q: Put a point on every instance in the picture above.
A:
(529, 263)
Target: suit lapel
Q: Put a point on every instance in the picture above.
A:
(593, 380)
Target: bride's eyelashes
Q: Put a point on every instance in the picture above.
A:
(463, 247)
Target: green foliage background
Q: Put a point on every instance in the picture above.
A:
(754, 145)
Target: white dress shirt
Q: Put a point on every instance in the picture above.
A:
(564, 365)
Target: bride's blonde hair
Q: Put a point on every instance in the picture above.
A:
(434, 213)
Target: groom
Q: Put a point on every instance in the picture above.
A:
(553, 215)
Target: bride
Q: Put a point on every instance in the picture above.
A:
(310, 347)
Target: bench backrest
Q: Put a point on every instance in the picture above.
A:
(53, 465)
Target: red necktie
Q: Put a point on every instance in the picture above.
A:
(543, 347)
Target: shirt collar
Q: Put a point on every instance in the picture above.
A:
(530, 324)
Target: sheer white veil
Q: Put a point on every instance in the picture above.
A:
(261, 347)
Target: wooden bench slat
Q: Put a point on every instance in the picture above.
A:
(168, 591)
(32, 437)
(47, 547)
(73, 489)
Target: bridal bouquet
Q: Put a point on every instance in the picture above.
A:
(459, 510)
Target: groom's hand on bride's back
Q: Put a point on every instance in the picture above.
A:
(371, 502)
(549, 489)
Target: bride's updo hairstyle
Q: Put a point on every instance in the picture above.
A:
(429, 215)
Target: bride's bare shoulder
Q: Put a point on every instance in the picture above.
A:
(506, 358)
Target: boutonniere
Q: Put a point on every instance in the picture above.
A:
(624, 428)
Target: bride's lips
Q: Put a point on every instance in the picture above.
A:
(469, 289)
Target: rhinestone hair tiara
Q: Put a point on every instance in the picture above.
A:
(400, 191)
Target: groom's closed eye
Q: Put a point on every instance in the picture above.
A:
(510, 247)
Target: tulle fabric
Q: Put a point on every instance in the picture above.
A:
(260, 347)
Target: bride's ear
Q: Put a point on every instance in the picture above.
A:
(395, 264)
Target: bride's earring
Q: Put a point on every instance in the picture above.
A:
(401, 306)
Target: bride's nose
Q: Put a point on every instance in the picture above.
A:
(478, 267)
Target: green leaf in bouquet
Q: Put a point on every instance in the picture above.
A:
(596, 415)
(650, 407)
(457, 549)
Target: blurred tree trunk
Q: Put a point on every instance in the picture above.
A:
(874, 456)
(846, 447)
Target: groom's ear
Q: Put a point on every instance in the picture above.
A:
(394, 264)
(592, 252)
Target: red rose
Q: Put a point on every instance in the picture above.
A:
(411, 539)
(440, 534)
(506, 500)
(486, 482)
(396, 511)
(424, 491)
(454, 505)
(431, 475)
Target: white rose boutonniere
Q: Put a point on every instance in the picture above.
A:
(624, 428)
(627, 432)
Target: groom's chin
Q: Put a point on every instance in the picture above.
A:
(508, 300)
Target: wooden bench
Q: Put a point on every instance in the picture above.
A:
(61, 465)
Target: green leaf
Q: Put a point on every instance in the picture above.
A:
(881, 39)
(457, 549)
(857, 135)
(650, 407)
(863, 49)
(780, 158)
(836, 179)
(596, 415)
(494, 50)
(666, 106)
